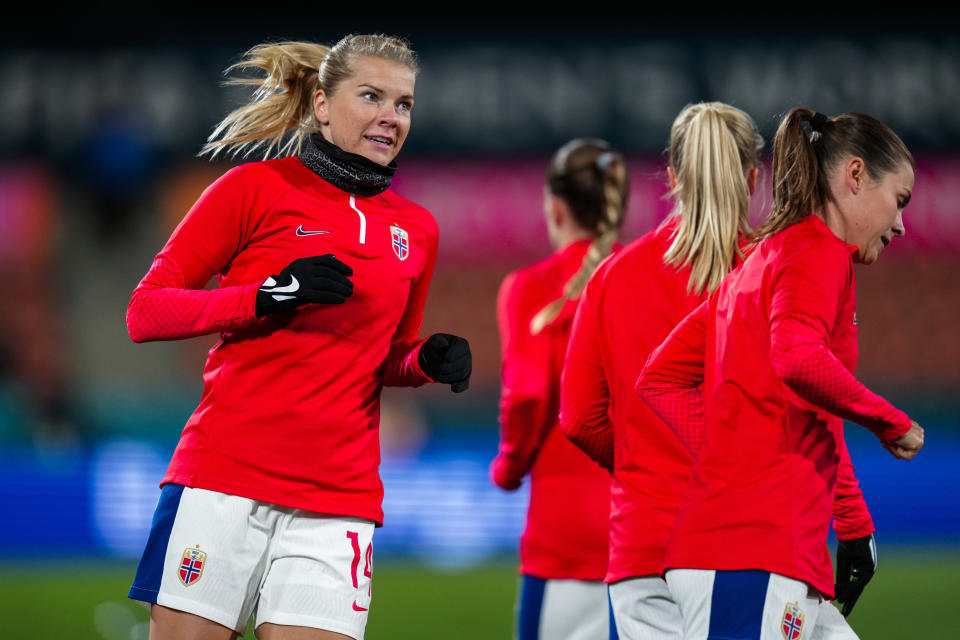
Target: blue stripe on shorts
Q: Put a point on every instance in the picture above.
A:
(613, 623)
(146, 584)
(736, 610)
(531, 603)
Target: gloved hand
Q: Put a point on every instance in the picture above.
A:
(446, 359)
(856, 564)
(322, 279)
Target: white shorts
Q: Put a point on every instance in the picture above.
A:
(643, 608)
(222, 557)
(563, 610)
(753, 605)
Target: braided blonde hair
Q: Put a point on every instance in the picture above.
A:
(283, 100)
(591, 177)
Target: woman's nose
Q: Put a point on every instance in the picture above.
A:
(898, 228)
(388, 114)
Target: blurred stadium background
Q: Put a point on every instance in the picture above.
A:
(100, 121)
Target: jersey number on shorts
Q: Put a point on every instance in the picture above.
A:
(368, 559)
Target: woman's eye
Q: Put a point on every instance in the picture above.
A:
(404, 106)
(370, 95)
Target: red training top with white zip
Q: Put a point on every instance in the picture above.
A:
(629, 306)
(774, 349)
(290, 407)
(566, 530)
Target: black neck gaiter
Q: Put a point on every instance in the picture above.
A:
(348, 171)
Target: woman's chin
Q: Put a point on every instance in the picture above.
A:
(378, 154)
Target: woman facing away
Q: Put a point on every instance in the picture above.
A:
(629, 306)
(760, 376)
(273, 493)
(563, 550)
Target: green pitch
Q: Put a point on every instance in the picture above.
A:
(912, 596)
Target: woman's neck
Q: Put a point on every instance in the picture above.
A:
(566, 237)
(832, 216)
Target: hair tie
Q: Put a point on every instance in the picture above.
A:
(817, 121)
(814, 126)
(604, 160)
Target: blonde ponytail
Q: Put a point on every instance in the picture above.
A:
(606, 226)
(282, 102)
(713, 147)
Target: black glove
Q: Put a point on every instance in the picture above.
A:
(856, 564)
(322, 279)
(446, 359)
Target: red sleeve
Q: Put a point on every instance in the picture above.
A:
(402, 365)
(851, 518)
(524, 416)
(584, 391)
(170, 303)
(803, 310)
(670, 380)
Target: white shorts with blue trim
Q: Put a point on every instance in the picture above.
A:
(221, 557)
(643, 608)
(563, 610)
(753, 605)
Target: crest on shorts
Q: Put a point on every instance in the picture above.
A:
(400, 241)
(792, 624)
(191, 565)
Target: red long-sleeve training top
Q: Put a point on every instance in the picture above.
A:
(566, 530)
(629, 306)
(290, 406)
(774, 349)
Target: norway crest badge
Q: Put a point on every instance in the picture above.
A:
(792, 624)
(400, 241)
(191, 565)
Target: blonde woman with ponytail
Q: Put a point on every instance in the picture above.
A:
(757, 382)
(273, 493)
(563, 550)
(629, 306)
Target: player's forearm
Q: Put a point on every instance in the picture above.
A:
(681, 408)
(524, 425)
(812, 372)
(851, 517)
(402, 366)
(174, 314)
(589, 427)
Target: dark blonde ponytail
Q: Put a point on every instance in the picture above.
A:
(809, 145)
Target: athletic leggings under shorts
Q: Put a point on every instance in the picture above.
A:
(223, 557)
(563, 610)
(753, 605)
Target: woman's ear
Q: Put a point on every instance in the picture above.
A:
(321, 107)
(855, 172)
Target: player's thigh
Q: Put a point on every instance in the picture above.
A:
(319, 576)
(791, 610)
(831, 625)
(644, 608)
(743, 605)
(562, 610)
(205, 556)
(170, 624)
(268, 631)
